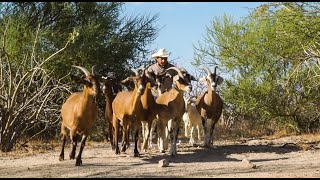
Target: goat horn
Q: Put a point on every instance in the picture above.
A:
(207, 70)
(150, 77)
(215, 69)
(176, 69)
(93, 69)
(135, 72)
(86, 72)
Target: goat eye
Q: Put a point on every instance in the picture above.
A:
(90, 84)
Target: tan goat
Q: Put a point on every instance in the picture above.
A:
(79, 113)
(210, 105)
(127, 107)
(171, 107)
(148, 114)
(191, 119)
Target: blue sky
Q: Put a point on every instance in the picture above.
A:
(184, 23)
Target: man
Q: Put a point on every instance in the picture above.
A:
(159, 67)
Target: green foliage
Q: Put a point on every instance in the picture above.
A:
(270, 74)
(105, 38)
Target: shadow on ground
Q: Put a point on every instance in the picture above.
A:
(191, 154)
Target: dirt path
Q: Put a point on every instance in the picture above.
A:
(284, 157)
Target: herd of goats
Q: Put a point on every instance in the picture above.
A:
(141, 108)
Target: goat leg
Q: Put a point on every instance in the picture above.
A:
(166, 139)
(146, 127)
(62, 147)
(199, 136)
(83, 142)
(191, 136)
(115, 123)
(111, 134)
(152, 130)
(211, 136)
(125, 136)
(161, 136)
(136, 137)
(74, 140)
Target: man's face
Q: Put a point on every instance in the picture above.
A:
(162, 61)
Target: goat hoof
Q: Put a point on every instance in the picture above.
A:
(173, 155)
(117, 151)
(136, 154)
(61, 158)
(78, 162)
(72, 157)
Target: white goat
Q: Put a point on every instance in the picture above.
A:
(191, 119)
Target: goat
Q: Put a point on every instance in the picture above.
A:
(127, 107)
(209, 104)
(148, 112)
(171, 106)
(192, 119)
(163, 83)
(79, 112)
(110, 88)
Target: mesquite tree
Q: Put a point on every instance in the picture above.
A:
(29, 95)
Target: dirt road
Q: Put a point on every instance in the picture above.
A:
(283, 157)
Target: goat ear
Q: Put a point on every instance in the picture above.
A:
(81, 80)
(176, 78)
(101, 79)
(193, 78)
(76, 79)
(219, 80)
(104, 78)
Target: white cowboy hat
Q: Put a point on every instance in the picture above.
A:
(161, 53)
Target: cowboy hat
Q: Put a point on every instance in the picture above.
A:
(161, 53)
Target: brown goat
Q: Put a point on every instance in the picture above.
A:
(79, 113)
(126, 108)
(171, 107)
(110, 87)
(148, 112)
(209, 104)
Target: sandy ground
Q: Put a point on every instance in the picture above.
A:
(283, 157)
